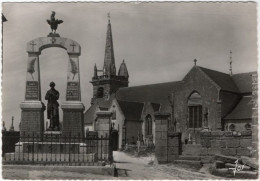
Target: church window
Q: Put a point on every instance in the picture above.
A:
(148, 125)
(100, 92)
(195, 110)
(232, 127)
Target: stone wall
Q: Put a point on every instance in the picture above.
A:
(226, 143)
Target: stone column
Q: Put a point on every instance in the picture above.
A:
(255, 116)
(73, 119)
(32, 118)
(161, 127)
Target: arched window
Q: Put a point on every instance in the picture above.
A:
(195, 110)
(100, 92)
(232, 127)
(148, 125)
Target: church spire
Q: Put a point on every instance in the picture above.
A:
(123, 70)
(109, 60)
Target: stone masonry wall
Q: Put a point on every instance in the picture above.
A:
(226, 143)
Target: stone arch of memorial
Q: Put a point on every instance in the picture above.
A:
(32, 121)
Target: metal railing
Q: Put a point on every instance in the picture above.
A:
(56, 149)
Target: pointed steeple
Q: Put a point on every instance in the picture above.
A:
(95, 71)
(12, 125)
(123, 70)
(109, 60)
(3, 128)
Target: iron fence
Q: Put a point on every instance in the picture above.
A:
(56, 149)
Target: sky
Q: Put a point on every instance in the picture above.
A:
(158, 42)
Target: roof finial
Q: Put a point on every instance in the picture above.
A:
(195, 61)
(108, 16)
(230, 62)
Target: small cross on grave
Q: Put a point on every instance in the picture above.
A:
(33, 44)
(73, 45)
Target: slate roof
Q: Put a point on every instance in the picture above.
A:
(224, 81)
(243, 110)
(131, 110)
(156, 107)
(243, 81)
(155, 93)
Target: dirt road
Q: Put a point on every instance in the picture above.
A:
(129, 167)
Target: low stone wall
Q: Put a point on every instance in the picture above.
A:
(226, 143)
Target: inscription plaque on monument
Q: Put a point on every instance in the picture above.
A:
(73, 91)
(32, 90)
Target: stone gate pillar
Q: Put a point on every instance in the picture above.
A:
(32, 118)
(161, 127)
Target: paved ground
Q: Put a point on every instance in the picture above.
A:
(136, 168)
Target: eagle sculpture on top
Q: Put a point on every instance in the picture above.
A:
(53, 22)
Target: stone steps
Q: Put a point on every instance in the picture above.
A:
(189, 163)
(188, 157)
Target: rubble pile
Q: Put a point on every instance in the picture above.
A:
(232, 167)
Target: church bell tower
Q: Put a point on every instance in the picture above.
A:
(106, 82)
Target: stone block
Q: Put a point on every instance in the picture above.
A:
(223, 172)
(226, 159)
(228, 151)
(233, 165)
(205, 143)
(159, 151)
(232, 143)
(157, 122)
(217, 133)
(213, 151)
(173, 151)
(246, 133)
(164, 135)
(158, 135)
(205, 134)
(244, 143)
(228, 134)
(161, 128)
(171, 158)
(161, 158)
(246, 175)
(161, 143)
(251, 162)
(207, 159)
(204, 151)
(173, 141)
(217, 143)
(243, 152)
(219, 164)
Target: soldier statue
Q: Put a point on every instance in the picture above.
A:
(52, 96)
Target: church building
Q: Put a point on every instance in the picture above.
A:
(203, 100)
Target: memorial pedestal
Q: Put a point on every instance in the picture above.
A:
(73, 119)
(32, 122)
